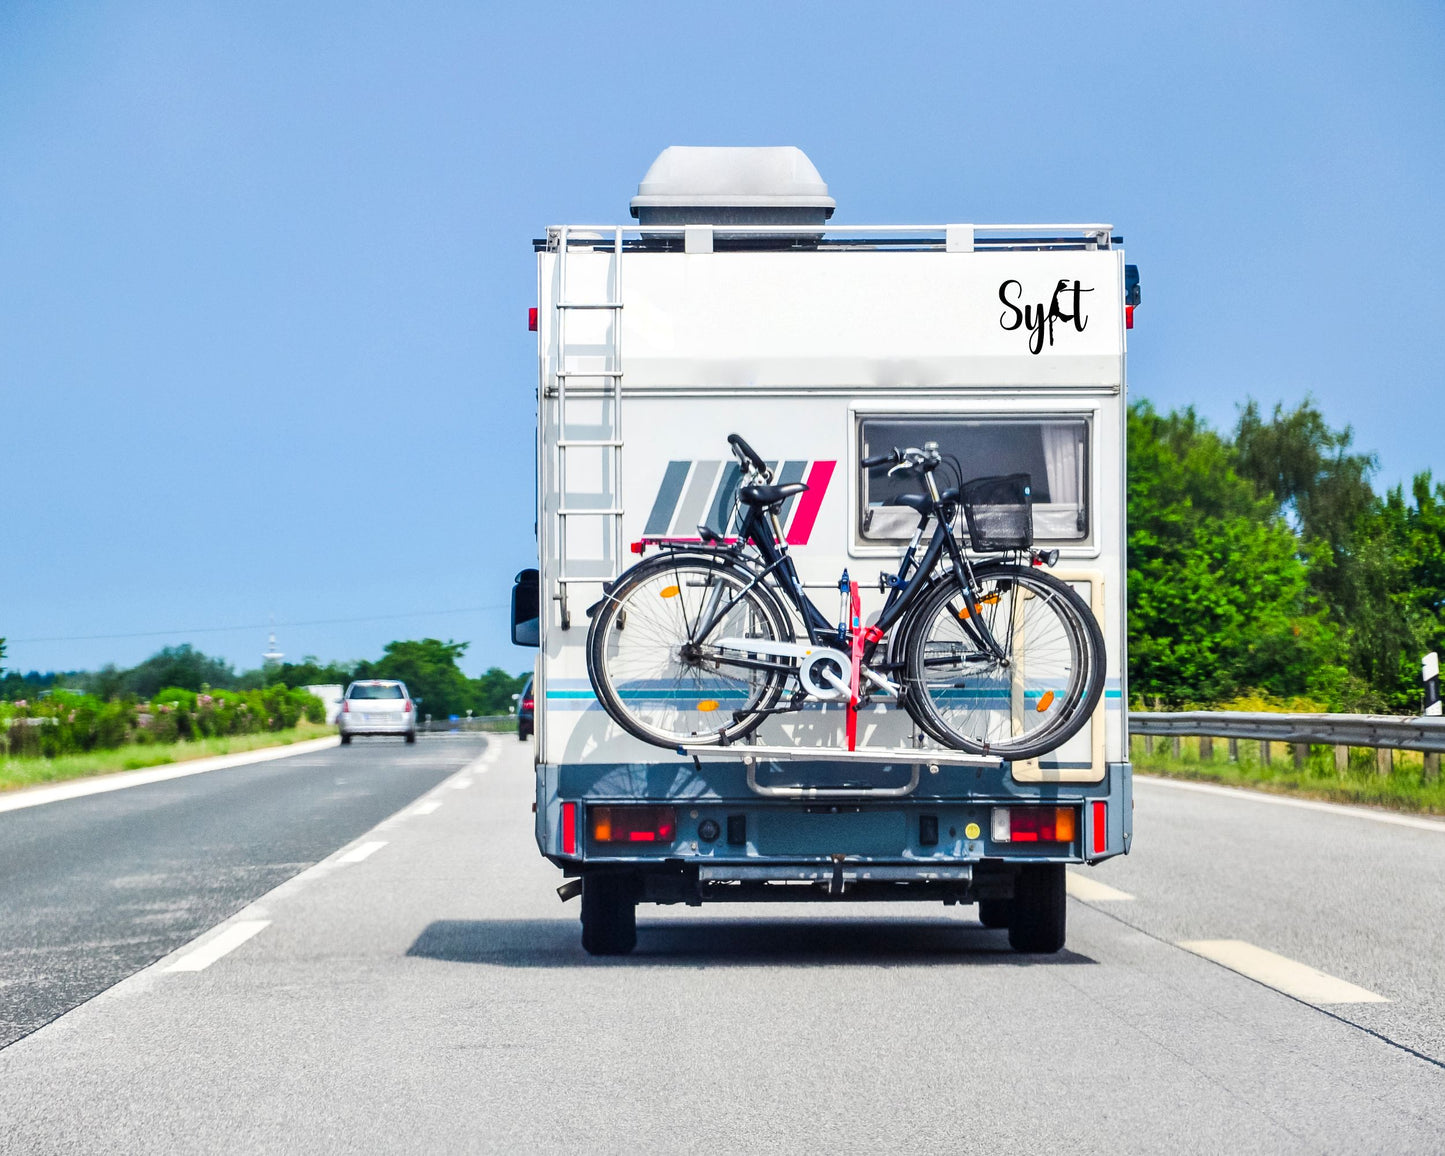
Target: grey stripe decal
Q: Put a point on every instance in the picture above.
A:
(791, 472)
(671, 489)
(695, 502)
(720, 513)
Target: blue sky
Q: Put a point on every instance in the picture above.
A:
(265, 267)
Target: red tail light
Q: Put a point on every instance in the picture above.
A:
(633, 824)
(569, 828)
(1128, 317)
(527, 703)
(532, 319)
(345, 706)
(1034, 824)
(1101, 826)
(406, 705)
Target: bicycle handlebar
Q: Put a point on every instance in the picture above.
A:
(746, 455)
(890, 458)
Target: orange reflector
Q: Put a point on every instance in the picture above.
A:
(1045, 702)
(670, 591)
(708, 704)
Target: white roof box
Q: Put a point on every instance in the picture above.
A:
(732, 186)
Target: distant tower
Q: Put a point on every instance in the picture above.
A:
(272, 657)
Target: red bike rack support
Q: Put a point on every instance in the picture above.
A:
(856, 614)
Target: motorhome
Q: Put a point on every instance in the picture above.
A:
(732, 303)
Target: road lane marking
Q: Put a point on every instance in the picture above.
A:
(1303, 804)
(1299, 980)
(202, 957)
(425, 808)
(1091, 890)
(461, 784)
(36, 796)
(357, 854)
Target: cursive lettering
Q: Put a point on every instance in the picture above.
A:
(1066, 307)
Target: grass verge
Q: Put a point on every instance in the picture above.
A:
(1403, 788)
(16, 773)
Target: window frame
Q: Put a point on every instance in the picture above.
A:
(973, 410)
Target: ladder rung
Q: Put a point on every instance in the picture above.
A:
(594, 443)
(589, 373)
(585, 513)
(589, 305)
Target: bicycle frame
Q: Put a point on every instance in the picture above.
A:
(762, 528)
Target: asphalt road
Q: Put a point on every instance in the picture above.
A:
(94, 889)
(424, 990)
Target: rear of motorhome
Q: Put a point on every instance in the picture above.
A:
(732, 304)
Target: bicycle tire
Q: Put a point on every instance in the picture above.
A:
(1036, 702)
(646, 684)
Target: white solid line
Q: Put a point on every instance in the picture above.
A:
(212, 950)
(1303, 804)
(1091, 890)
(37, 796)
(1296, 979)
(425, 808)
(357, 854)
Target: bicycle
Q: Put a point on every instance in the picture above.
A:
(696, 646)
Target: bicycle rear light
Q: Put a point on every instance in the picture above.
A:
(1034, 824)
(632, 824)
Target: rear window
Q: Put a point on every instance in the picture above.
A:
(376, 692)
(1053, 451)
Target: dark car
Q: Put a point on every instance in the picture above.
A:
(524, 712)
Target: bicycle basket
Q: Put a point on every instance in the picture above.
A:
(999, 512)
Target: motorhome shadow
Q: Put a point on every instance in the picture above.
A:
(732, 302)
(552, 943)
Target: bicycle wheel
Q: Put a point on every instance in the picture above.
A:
(662, 683)
(1022, 706)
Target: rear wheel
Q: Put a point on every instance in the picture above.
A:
(609, 914)
(411, 736)
(1021, 705)
(345, 740)
(656, 674)
(1039, 909)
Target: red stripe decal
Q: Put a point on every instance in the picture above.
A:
(809, 503)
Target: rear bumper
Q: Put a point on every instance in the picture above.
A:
(401, 725)
(930, 845)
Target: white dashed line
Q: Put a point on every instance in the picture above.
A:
(425, 808)
(1091, 890)
(1294, 979)
(225, 943)
(357, 854)
(461, 784)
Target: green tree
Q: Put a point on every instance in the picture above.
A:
(429, 669)
(1219, 596)
(310, 671)
(494, 691)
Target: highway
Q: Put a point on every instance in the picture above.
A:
(421, 988)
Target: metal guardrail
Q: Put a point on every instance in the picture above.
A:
(491, 722)
(1341, 730)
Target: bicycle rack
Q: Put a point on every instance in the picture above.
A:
(752, 755)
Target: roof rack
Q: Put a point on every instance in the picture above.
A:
(954, 238)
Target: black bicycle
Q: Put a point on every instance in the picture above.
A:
(991, 655)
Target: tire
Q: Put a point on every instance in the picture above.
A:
(638, 660)
(995, 912)
(1037, 923)
(345, 740)
(609, 914)
(973, 702)
(411, 736)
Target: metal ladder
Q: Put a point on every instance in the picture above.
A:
(609, 445)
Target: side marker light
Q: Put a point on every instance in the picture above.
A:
(532, 319)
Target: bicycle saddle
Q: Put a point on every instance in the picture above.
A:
(919, 502)
(770, 495)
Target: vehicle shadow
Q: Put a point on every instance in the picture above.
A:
(547, 943)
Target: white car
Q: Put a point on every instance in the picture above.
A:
(377, 706)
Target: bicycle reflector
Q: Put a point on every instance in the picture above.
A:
(632, 824)
(1034, 824)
